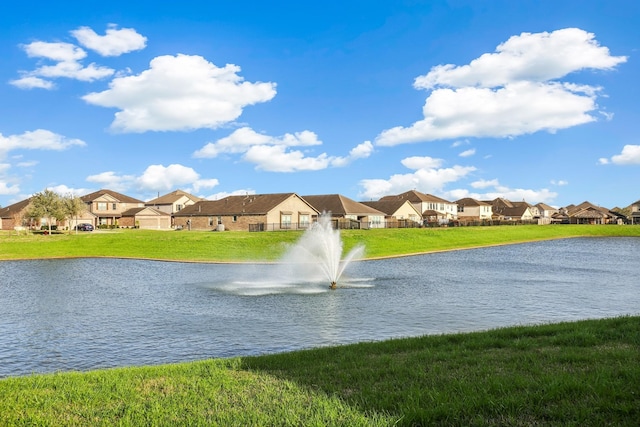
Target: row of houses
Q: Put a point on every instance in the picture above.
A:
(285, 211)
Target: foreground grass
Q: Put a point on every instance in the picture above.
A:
(269, 246)
(582, 373)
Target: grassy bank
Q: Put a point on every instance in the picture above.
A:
(582, 373)
(269, 246)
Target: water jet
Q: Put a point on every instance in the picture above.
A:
(317, 255)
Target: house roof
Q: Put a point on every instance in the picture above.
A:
(468, 201)
(253, 204)
(545, 207)
(118, 196)
(172, 197)
(136, 211)
(338, 204)
(11, 210)
(417, 197)
(389, 207)
(514, 212)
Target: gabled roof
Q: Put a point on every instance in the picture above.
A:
(417, 197)
(136, 211)
(11, 210)
(338, 204)
(118, 196)
(515, 211)
(545, 207)
(389, 207)
(468, 201)
(172, 197)
(252, 204)
(573, 210)
(499, 202)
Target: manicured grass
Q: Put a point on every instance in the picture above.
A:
(269, 246)
(582, 373)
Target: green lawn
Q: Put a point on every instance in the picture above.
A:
(269, 246)
(585, 373)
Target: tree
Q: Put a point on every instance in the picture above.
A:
(72, 206)
(47, 204)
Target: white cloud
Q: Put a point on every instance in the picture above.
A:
(543, 195)
(223, 194)
(511, 92)
(112, 181)
(155, 178)
(516, 109)
(537, 57)
(7, 185)
(630, 155)
(244, 138)
(32, 82)
(114, 43)
(559, 182)
(67, 59)
(485, 183)
(59, 52)
(428, 177)
(7, 189)
(165, 178)
(275, 154)
(64, 190)
(38, 139)
(468, 153)
(177, 93)
(425, 162)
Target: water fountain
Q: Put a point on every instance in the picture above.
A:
(318, 253)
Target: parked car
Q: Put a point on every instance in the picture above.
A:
(83, 227)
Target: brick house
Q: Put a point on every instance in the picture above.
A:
(254, 212)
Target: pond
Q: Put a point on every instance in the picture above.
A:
(81, 314)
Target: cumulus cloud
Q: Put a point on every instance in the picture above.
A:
(223, 194)
(428, 177)
(630, 155)
(496, 190)
(64, 190)
(8, 185)
(511, 92)
(39, 139)
(155, 178)
(179, 93)
(114, 43)
(276, 153)
(67, 57)
(468, 153)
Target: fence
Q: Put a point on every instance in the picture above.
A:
(337, 224)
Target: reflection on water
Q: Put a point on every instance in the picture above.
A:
(83, 314)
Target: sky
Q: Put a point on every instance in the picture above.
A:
(525, 100)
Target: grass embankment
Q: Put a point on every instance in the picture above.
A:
(582, 373)
(269, 246)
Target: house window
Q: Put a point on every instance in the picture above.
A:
(178, 208)
(210, 221)
(460, 208)
(304, 220)
(219, 220)
(113, 206)
(102, 206)
(235, 218)
(285, 220)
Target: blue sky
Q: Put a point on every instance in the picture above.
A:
(533, 100)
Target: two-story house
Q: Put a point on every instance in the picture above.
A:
(108, 206)
(433, 208)
(470, 209)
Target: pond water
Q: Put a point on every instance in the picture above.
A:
(81, 314)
